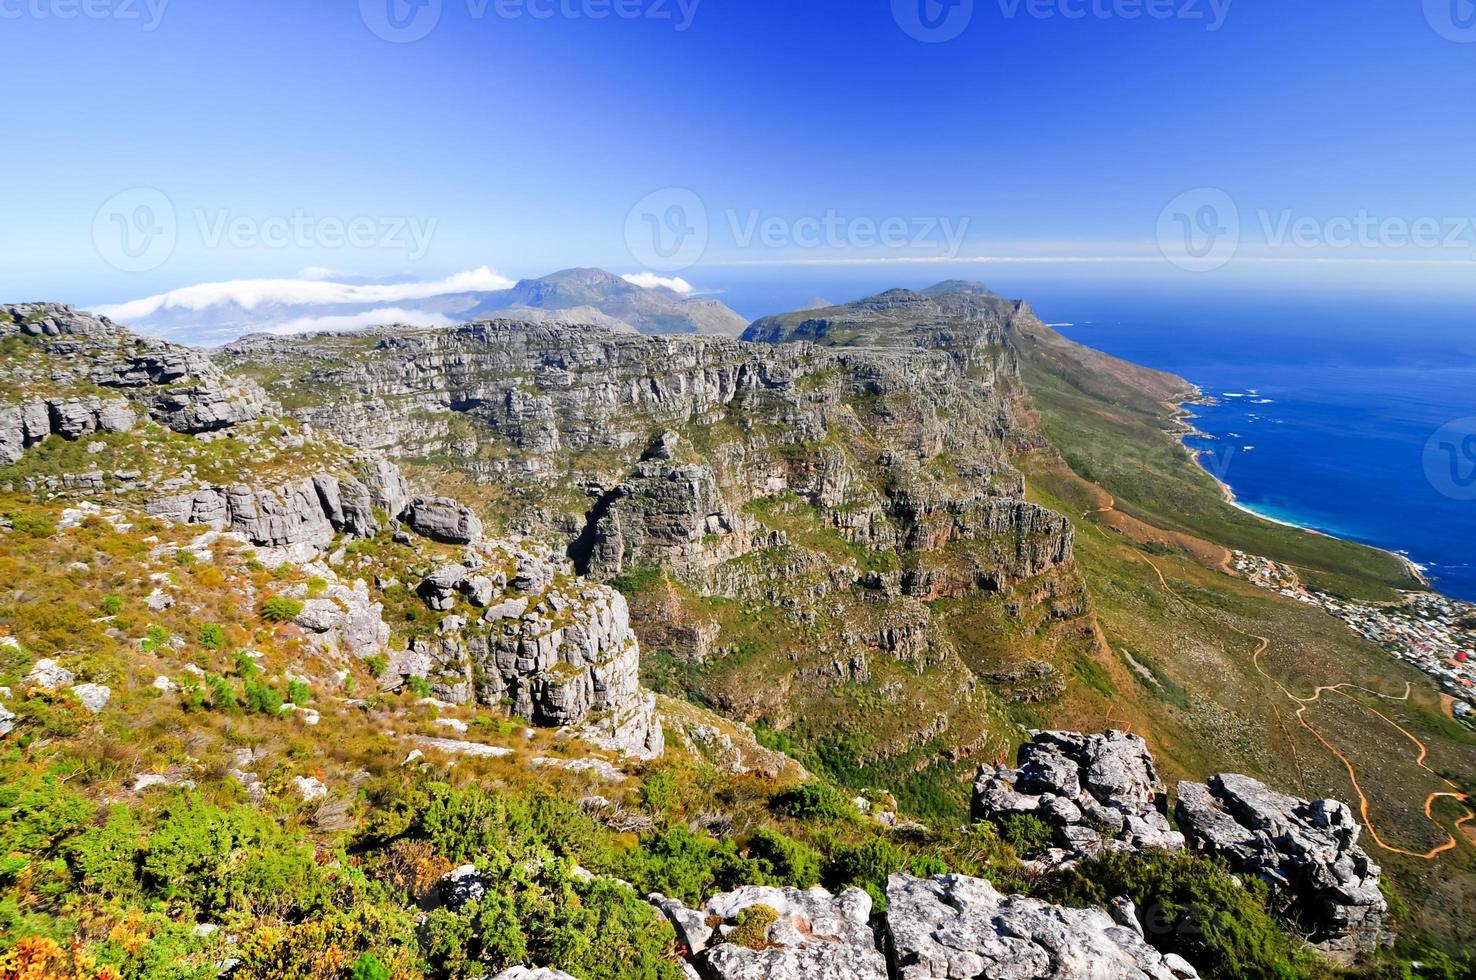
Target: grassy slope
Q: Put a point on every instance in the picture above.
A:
(1182, 649)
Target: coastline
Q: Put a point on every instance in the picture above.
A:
(1183, 431)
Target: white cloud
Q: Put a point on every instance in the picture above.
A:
(358, 321)
(317, 273)
(649, 280)
(251, 293)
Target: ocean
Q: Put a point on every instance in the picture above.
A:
(1350, 415)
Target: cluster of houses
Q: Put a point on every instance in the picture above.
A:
(1432, 632)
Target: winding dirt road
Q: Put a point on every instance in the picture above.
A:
(1303, 703)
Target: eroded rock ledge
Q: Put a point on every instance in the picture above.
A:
(1097, 793)
(177, 386)
(1101, 793)
(951, 927)
(1307, 851)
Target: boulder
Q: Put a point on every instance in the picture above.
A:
(529, 973)
(815, 936)
(1307, 851)
(952, 926)
(1097, 792)
(7, 721)
(443, 519)
(94, 697)
(48, 675)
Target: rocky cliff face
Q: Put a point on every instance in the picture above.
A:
(76, 352)
(784, 509)
(521, 630)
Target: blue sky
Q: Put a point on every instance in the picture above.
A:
(272, 130)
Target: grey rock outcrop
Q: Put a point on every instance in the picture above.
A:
(28, 423)
(179, 387)
(443, 519)
(532, 973)
(960, 928)
(48, 675)
(341, 617)
(92, 697)
(1097, 793)
(816, 936)
(1307, 851)
(558, 650)
(946, 928)
(461, 886)
(7, 721)
(293, 522)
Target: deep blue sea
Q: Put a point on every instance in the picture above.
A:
(1355, 416)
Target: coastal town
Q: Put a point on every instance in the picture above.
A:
(1432, 632)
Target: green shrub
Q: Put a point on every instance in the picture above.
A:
(368, 967)
(866, 865)
(220, 861)
(212, 636)
(1194, 907)
(246, 665)
(1025, 832)
(687, 865)
(784, 861)
(185, 559)
(280, 609)
(815, 801)
(298, 692)
(418, 686)
(660, 790)
(106, 858)
(112, 605)
(262, 698)
(222, 693)
(155, 637)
